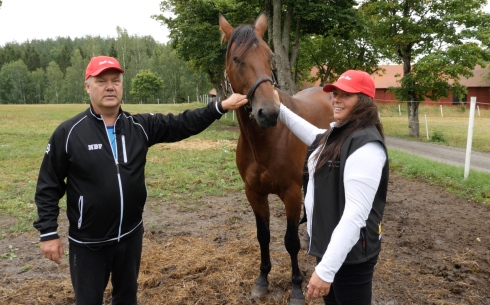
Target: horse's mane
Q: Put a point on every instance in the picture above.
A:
(243, 38)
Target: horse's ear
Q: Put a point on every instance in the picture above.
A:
(261, 25)
(225, 28)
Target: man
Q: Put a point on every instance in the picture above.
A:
(98, 159)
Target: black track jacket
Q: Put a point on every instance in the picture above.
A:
(105, 197)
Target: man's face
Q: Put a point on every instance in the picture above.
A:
(105, 90)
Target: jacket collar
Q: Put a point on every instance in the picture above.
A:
(97, 115)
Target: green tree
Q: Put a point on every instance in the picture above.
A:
(91, 47)
(38, 78)
(146, 85)
(338, 50)
(130, 58)
(14, 82)
(289, 21)
(179, 81)
(54, 83)
(194, 34)
(73, 86)
(436, 41)
(31, 57)
(64, 55)
(10, 52)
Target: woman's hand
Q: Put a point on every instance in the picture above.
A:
(317, 288)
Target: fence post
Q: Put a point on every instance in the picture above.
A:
(426, 127)
(470, 137)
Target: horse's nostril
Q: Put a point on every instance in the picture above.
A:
(266, 118)
(260, 112)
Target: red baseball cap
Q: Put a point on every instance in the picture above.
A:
(353, 81)
(101, 63)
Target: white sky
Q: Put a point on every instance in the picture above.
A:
(22, 20)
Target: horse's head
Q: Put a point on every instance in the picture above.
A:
(249, 68)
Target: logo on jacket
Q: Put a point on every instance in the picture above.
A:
(94, 146)
(48, 148)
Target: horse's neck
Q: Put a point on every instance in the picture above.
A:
(250, 130)
(288, 101)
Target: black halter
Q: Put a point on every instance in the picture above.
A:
(257, 83)
(254, 87)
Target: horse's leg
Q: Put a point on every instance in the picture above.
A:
(292, 242)
(260, 207)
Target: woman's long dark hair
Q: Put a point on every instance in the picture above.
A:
(364, 113)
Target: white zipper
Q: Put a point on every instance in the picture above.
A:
(123, 139)
(80, 210)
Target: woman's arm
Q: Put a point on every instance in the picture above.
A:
(304, 130)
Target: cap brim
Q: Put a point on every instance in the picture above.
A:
(97, 72)
(331, 87)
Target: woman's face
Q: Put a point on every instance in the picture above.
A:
(343, 103)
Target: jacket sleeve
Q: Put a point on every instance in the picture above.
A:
(51, 186)
(173, 128)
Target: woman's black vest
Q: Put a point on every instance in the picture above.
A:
(329, 199)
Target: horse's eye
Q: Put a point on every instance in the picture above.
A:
(236, 59)
(273, 63)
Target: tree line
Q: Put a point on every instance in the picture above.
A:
(53, 70)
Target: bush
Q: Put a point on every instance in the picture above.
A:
(438, 136)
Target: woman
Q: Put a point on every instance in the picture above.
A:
(346, 193)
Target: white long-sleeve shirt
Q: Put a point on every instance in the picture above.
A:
(362, 175)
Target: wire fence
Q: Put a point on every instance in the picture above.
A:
(441, 122)
(484, 104)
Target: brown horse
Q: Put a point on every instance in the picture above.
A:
(269, 157)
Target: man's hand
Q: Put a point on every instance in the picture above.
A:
(52, 250)
(235, 101)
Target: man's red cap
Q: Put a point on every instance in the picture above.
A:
(101, 63)
(353, 81)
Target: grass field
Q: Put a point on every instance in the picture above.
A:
(25, 131)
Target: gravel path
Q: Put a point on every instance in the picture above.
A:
(454, 156)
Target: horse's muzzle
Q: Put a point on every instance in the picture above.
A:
(266, 116)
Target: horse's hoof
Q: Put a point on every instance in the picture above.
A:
(297, 301)
(259, 291)
(297, 297)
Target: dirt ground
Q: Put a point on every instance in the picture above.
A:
(436, 250)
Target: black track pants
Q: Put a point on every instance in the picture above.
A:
(90, 269)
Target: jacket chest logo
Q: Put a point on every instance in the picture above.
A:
(94, 146)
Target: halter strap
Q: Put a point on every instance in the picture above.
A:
(254, 87)
(257, 83)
